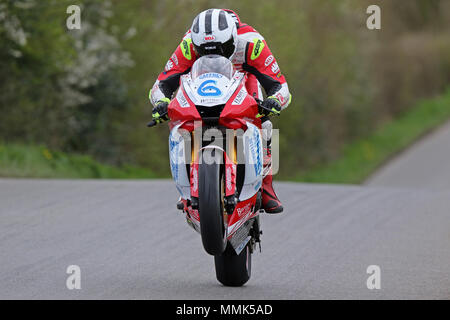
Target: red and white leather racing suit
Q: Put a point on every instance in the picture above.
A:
(253, 57)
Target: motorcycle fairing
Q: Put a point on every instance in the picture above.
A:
(252, 142)
(239, 112)
(210, 89)
(177, 155)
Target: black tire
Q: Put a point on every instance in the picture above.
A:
(234, 270)
(211, 208)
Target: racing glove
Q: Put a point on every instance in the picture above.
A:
(271, 106)
(159, 113)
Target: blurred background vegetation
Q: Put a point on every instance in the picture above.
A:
(86, 91)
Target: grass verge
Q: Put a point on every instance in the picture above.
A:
(27, 161)
(362, 157)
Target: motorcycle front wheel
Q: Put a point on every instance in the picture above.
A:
(210, 210)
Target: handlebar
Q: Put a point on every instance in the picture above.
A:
(153, 122)
(260, 105)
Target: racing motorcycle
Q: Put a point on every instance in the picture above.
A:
(216, 160)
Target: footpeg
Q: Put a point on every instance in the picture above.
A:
(230, 203)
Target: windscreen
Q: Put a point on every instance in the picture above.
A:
(212, 63)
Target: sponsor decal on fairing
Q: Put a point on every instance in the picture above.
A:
(182, 100)
(255, 146)
(208, 88)
(244, 210)
(173, 150)
(210, 75)
(246, 214)
(242, 246)
(239, 97)
(229, 178)
(194, 179)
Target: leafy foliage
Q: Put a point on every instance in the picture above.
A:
(86, 90)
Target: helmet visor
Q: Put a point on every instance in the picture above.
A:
(223, 49)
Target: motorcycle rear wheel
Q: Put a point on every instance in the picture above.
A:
(233, 270)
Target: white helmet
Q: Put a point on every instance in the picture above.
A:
(214, 32)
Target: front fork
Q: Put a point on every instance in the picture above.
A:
(230, 198)
(230, 170)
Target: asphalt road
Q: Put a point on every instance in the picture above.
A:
(131, 243)
(426, 165)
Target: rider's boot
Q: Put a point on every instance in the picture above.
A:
(270, 201)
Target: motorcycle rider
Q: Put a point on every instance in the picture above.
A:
(220, 31)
